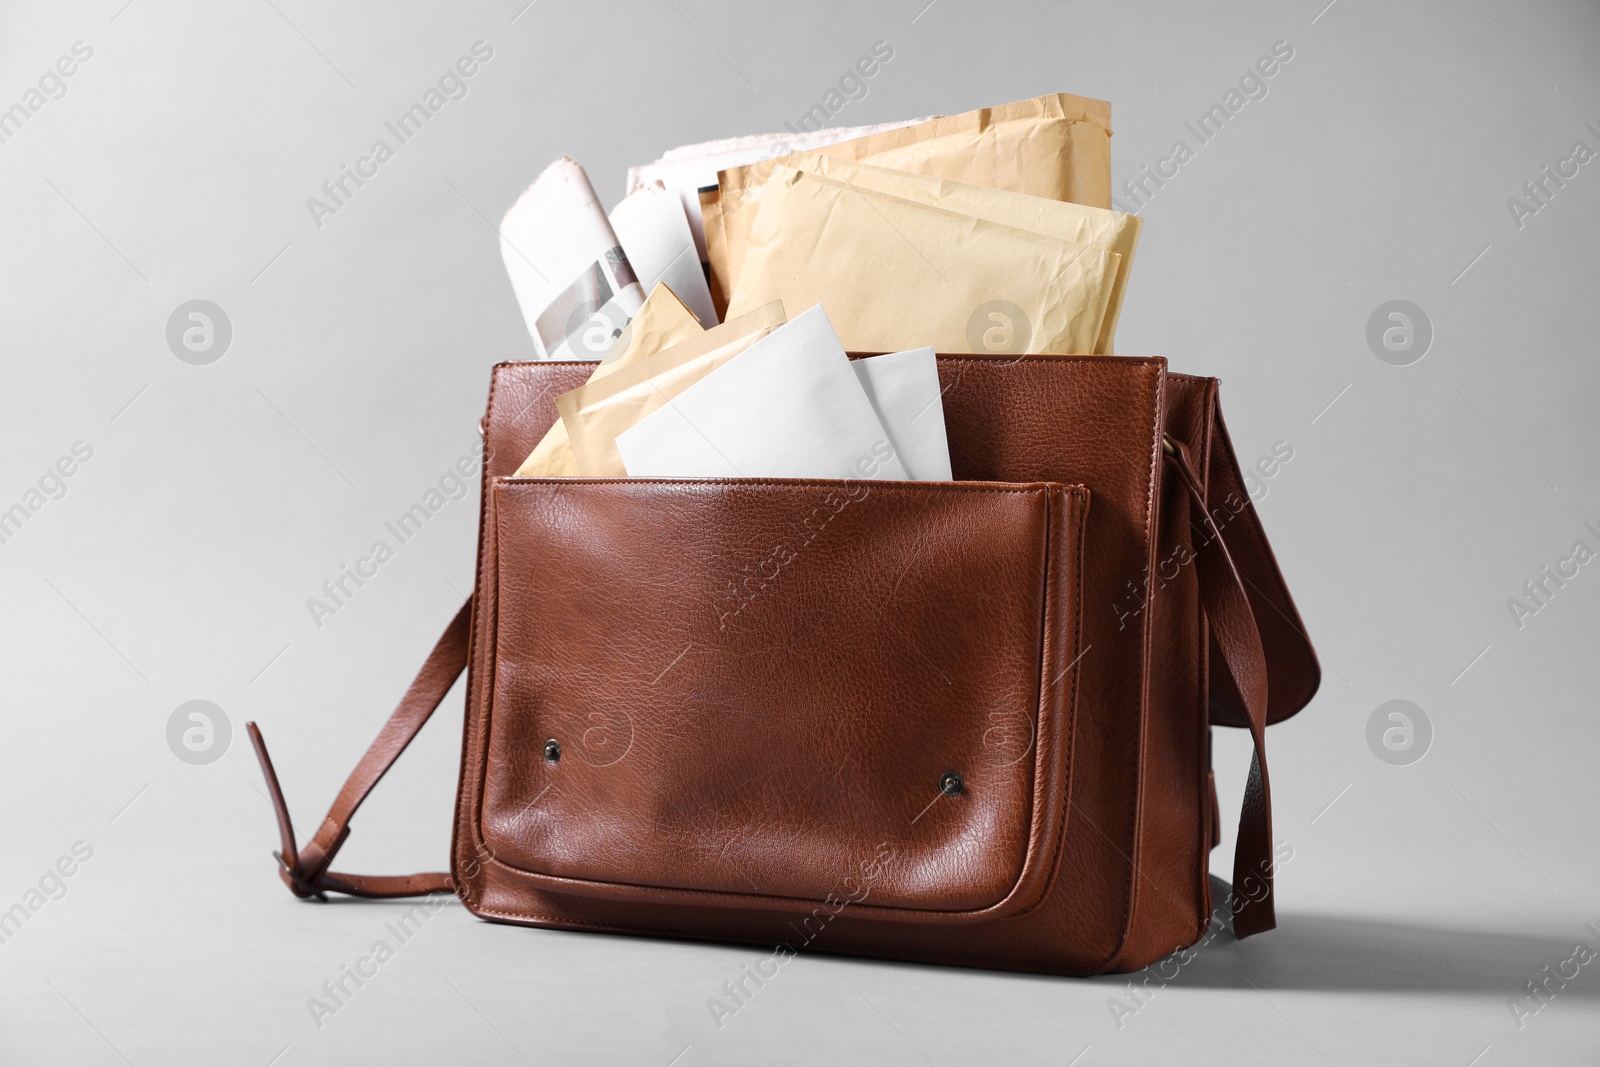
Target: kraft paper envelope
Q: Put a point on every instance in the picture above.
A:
(894, 273)
(789, 406)
(905, 392)
(661, 323)
(655, 235)
(1102, 228)
(595, 413)
(568, 271)
(1056, 146)
(664, 321)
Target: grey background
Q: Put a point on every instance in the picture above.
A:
(220, 497)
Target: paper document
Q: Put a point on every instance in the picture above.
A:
(655, 235)
(571, 278)
(788, 407)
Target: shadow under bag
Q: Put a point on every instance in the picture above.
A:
(957, 722)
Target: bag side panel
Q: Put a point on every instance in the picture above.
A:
(1171, 894)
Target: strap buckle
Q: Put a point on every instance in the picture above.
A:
(302, 888)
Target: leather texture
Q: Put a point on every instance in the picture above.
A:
(757, 687)
(794, 669)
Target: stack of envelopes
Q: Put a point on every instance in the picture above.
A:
(988, 232)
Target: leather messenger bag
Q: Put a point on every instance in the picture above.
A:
(958, 722)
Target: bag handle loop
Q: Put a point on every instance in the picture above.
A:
(306, 870)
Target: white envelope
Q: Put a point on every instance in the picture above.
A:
(790, 406)
(904, 390)
(655, 236)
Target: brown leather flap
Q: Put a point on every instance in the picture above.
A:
(757, 687)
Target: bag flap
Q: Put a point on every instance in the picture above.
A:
(754, 693)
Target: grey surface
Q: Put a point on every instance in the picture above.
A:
(219, 497)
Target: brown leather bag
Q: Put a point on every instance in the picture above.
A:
(961, 722)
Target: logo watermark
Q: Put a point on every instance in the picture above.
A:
(52, 485)
(454, 484)
(1399, 732)
(199, 332)
(51, 86)
(1541, 992)
(755, 579)
(1399, 332)
(198, 732)
(1139, 592)
(1265, 468)
(50, 886)
(1252, 86)
(606, 739)
(338, 991)
(852, 86)
(737, 992)
(1139, 992)
(999, 326)
(1543, 587)
(338, 191)
(1543, 187)
(1008, 737)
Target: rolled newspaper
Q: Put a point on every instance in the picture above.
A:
(574, 283)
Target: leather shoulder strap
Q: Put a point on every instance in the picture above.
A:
(1241, 671)
(1293, 674)
(306, 870)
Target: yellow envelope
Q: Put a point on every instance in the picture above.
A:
(1113, 231)
(1056, 146)
(662, 322)
(894, 274)
(596, 412)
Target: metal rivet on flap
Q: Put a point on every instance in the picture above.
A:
(951, 783)
(552, 750)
